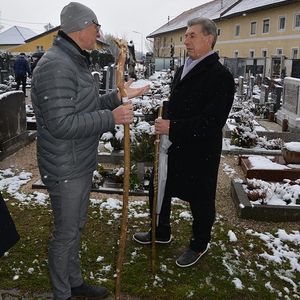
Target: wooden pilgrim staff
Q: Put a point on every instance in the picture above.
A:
(155, 193)
(120, 83)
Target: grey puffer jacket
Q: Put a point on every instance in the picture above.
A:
(70, 115)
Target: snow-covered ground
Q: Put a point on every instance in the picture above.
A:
(279, 249)
(283, 247)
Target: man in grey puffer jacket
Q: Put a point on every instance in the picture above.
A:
(70, 118)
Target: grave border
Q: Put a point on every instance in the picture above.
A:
(261, 212)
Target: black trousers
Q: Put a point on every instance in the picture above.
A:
(21, 79)
(203, 212)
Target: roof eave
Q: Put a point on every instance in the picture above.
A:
(255, 9)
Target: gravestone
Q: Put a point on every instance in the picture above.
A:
(276, 96)
(240, 89)
(290, 110)
(264, 94)
(250, 86)
(109, 79)
(96, 76)
(13, 125)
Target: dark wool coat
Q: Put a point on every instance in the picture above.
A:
(198, 109)
(8, 233)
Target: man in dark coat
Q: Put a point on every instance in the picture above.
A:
(21, 68)
(9, 235)
(201, 98)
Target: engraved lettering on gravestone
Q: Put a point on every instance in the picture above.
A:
(290, 97)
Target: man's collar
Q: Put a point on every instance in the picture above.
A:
(66, 37)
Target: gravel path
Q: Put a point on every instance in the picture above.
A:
(25, 159)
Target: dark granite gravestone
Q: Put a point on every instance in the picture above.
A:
(13, 125)
(276, 96)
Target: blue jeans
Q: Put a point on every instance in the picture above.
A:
(70, 201)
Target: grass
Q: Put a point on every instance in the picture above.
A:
(229, 271)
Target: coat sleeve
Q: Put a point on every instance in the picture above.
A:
(109, 101)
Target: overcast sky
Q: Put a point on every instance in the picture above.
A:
(117, 17)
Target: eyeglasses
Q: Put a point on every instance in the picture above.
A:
(98, 26)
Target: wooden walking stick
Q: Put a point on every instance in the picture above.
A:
(120, 83)
(155, 190)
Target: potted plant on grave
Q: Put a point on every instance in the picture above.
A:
(291, 152)
(150, 111)
(244, 134)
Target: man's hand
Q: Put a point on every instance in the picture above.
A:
(135, 92)
(123, 114)
(162, 126)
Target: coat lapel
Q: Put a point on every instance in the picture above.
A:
(198, 69)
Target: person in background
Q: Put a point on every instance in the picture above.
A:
(70, 119)
(201, 98)
(21, 68)
(34, 63)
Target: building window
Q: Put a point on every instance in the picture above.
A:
(251, 53)
(294, 53)
(165, 41)
(180, 39)
(296, 21)
(39, 48)
(236, 54)
(281, 23)
(171, 40)
(157, 42)
(219, 31)
(264, 53)
(218, 52)
(279, 51)
(253, 28)
(237, 29)
(266, 25)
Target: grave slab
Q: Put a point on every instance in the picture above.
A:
(261, 212)
(106, 186)
(267, 174)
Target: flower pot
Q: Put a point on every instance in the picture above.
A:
(291, 157)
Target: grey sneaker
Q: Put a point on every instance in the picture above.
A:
(146, 238)
(190, 257)
(89, 291)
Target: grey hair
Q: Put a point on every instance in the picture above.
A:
(208, 27)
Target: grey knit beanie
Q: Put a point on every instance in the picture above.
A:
(76, 16)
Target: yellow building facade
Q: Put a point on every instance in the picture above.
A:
(39, 43)
(264, 33)
(255, 33)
